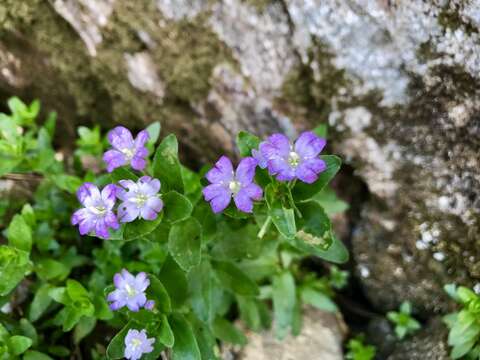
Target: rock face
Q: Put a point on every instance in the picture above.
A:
(398, 81)
(321, 338)
(429, 343)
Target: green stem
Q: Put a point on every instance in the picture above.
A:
(290, 197)
(264, 228)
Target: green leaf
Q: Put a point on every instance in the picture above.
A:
(75, 290)
(66, 182)
(153, 132)
(317, 299)
(201, 291)
(14, 265)
(28, 330)
(249, 312)
(284, 300)
(225, 331)
(157, 292)
(28, 215)
(122, 173)
(462, 349)
(321, 131)
(35, 355)
(246, 142)
(176, 207)
(303, 191)
(141, 228)
(174, 280)
(466, 295)
(406, 307)
(185, 347)
(84, 327)
(234, 279)
(330, 202)
(451, 290)
(184, 243)
(283, 218)
(116, 348)
(48, 269)
(40, 302)
(166, 165)
(19, 344)
(19, 234)
(205, 339)
(165, 333)
(316, 237)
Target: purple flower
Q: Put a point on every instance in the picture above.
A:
(125, 149)
(149, 305)
(130, 291)
(97, 215)
(137, 344)
(140, 199)
(299, 161)
(226, 183)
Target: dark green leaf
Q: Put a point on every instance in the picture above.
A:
(35, 355)
(185, 347)
(166, 334)
(201, 289)
(157, 292)
(225, 331)
(140, 228)
(176, 207)
(166, 165)
(40, 302)
(14, 265)
(122, 173)
(234, 279)
(303, 191)
(84, 327)
(184, 243)
(174, 280)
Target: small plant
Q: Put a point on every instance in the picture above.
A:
(405, 324)
(153, 255)
(358, 350)
(464, 325)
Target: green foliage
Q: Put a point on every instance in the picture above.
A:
(202, 266)
(464, 334)
(405, 324)
(358, 350)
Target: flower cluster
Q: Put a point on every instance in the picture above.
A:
(283, 160)
(138, 199)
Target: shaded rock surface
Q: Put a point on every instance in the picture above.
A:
(321, 338)
(398, 81)
(429, 344)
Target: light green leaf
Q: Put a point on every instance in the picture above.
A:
(284, 300)
(246, 142)
(19, 234)
(14, 265)
(317, 299)
(165, 333)
(157, 292)
(40, 302)
(153, 132)
(225, 331)
(35, 355)
(19, 344)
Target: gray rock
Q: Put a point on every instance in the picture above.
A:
(321, 338)
(429, 344)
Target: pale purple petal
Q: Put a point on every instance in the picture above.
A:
(215, 190)
(253, 191)
(114, 159)
(309, 145)
(120, 138)
(220, 203)
(88, 194)
(118, 281)
(138, 163)
(149, 305)
(111, 220)
(243, 201)
(221, 172)
(155, 204)
(141, 281)
(109, 195)
(246, 170)
(276, 145)
(101, 229)
(127, 212)
(148, 213)
(141, 139)
(309, 169)
(262, 161)
(129, 278)
(282, 169)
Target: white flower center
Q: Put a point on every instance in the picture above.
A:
(140, 199)
(128, 153)
(98, 210)
(130, 291)
(293, 159)
(135, 343)
(234, 186)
